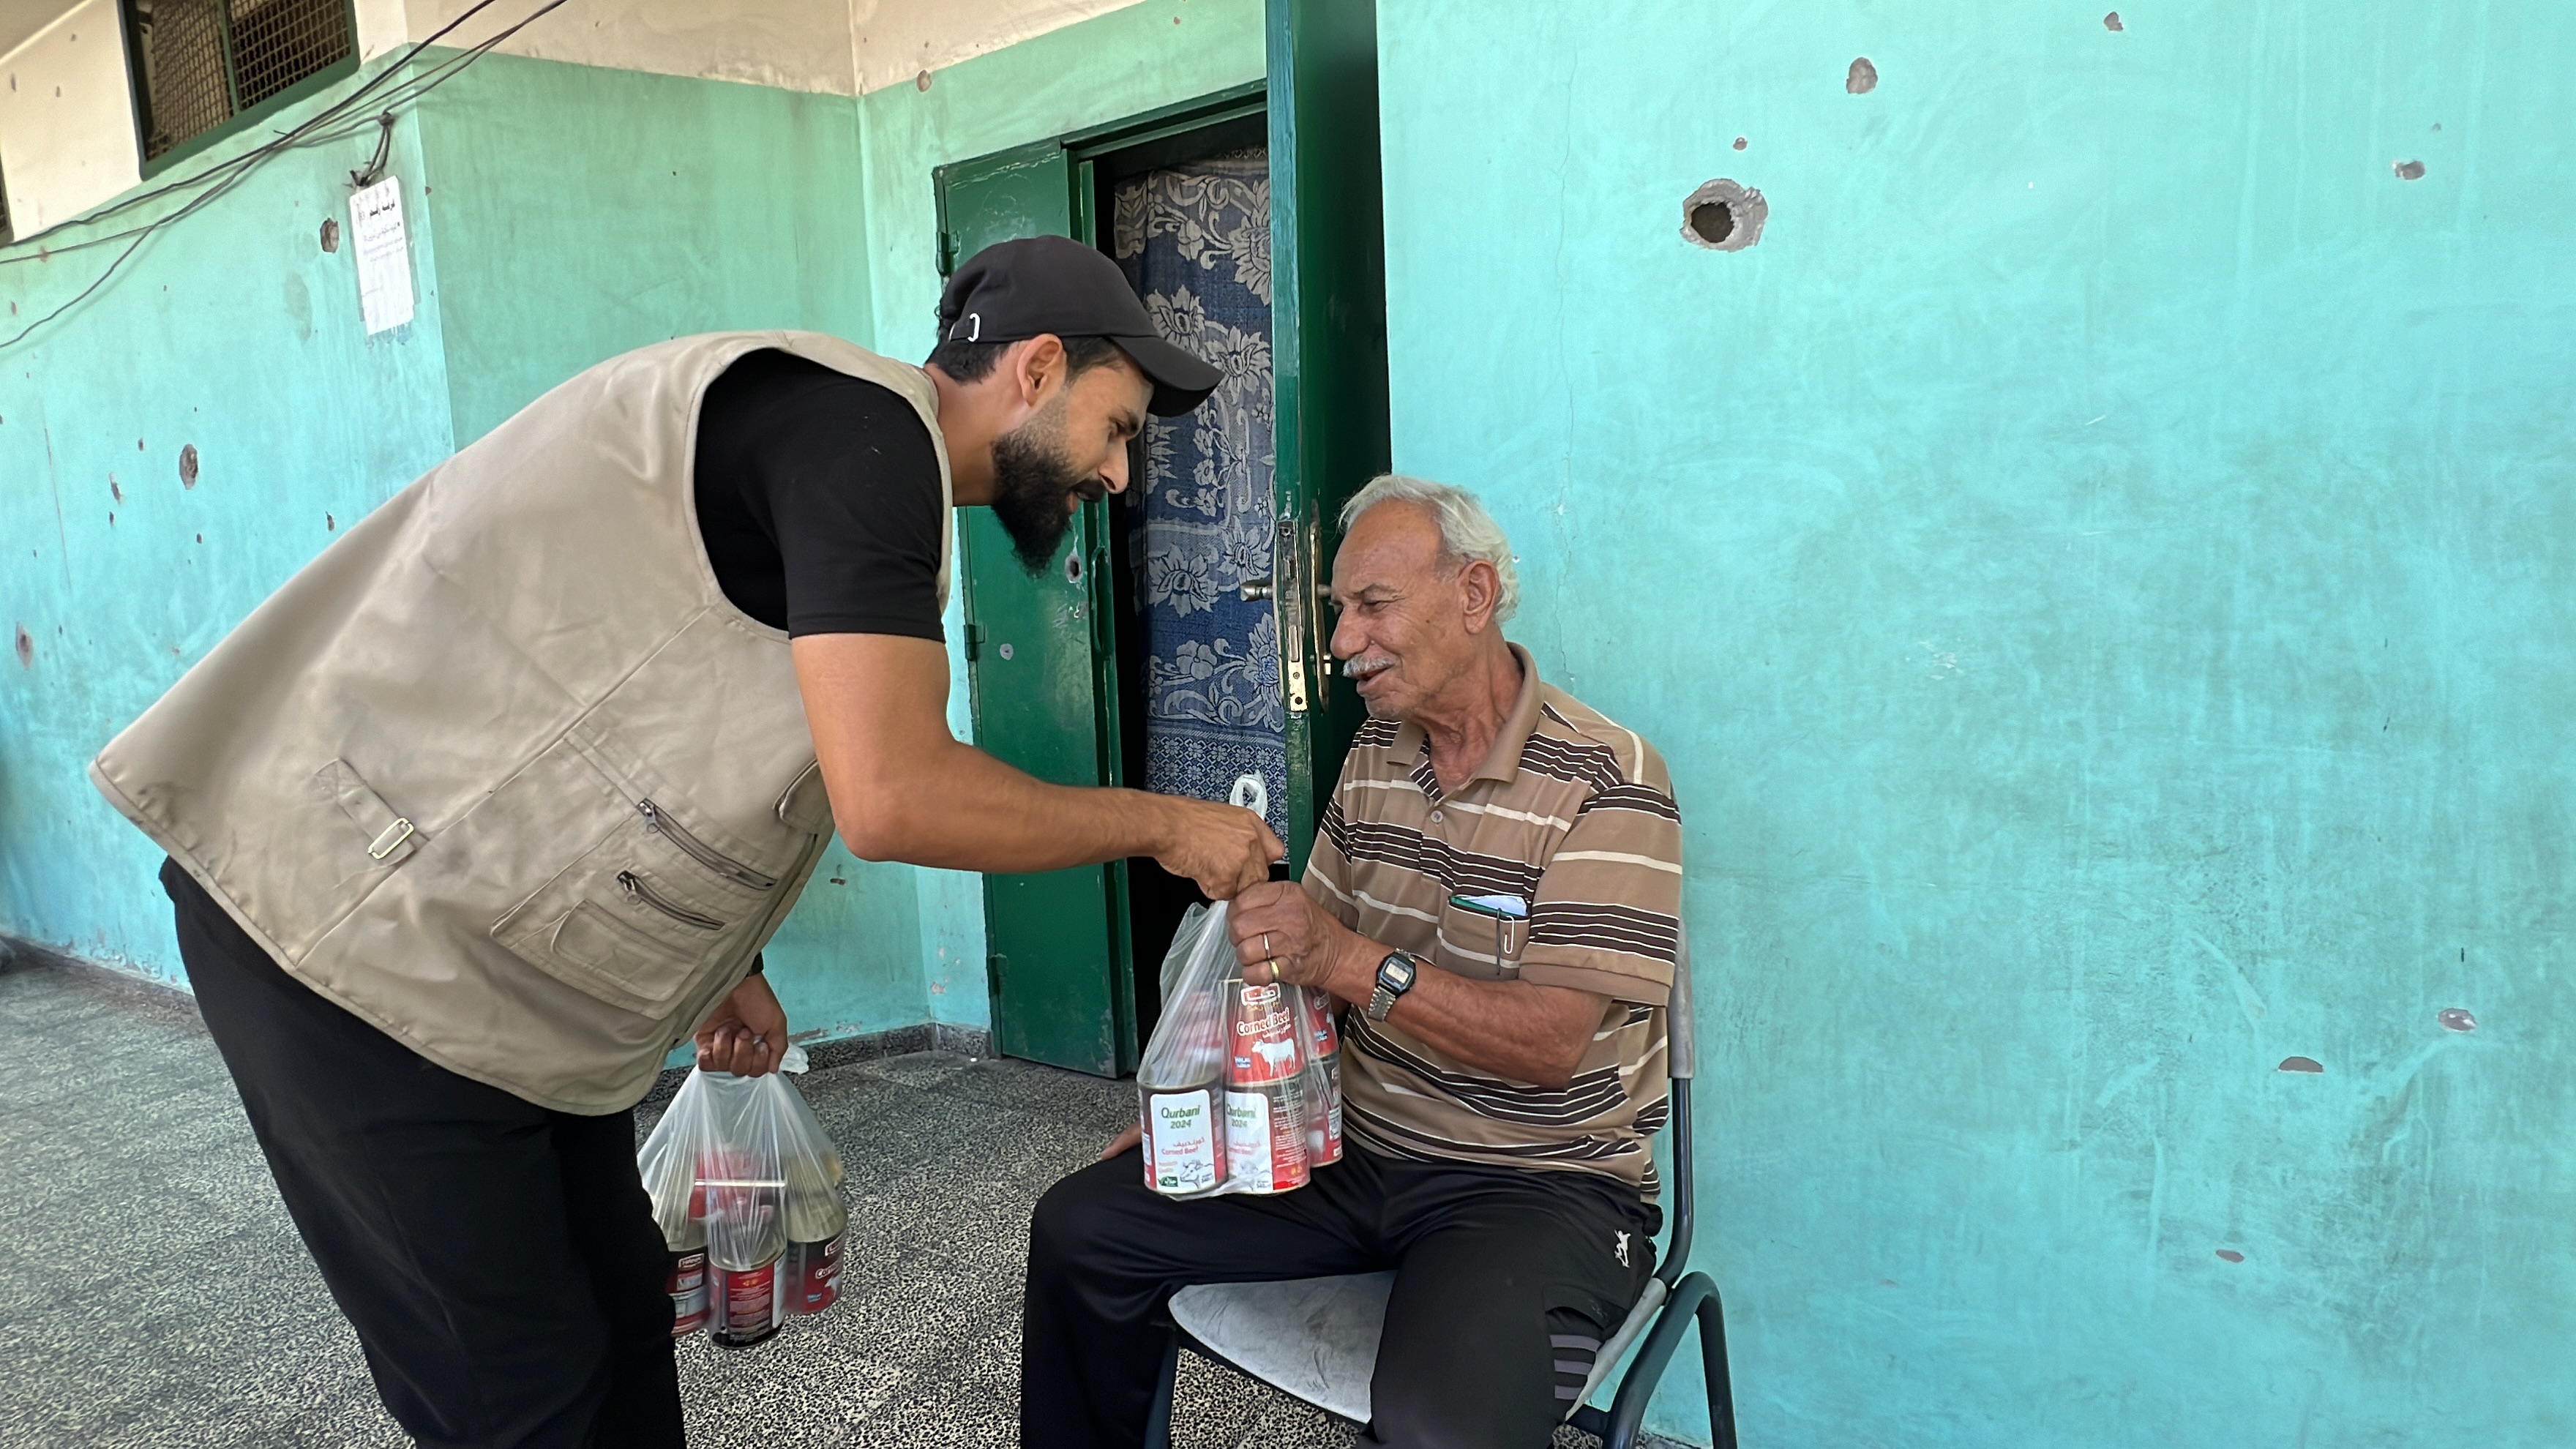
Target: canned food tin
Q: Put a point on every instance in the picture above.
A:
(745, 1304)
(688, 1289)
(814, 1275)
(1185, 1138)
(1265, 1137)
(1265, 1040)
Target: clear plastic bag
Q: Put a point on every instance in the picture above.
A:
(1230, 1096)
(746, 1187)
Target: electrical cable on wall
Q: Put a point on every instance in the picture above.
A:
(325, 126)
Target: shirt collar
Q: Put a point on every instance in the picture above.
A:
(1503, 761)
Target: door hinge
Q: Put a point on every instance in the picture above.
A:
(974, 642)
(995, 965)
(947, 253)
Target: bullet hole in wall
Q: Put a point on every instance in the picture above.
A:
(113, 491)
(330, 233)
(330, 524)
(2231, 1255)
(26, 649)
(1724, 216)
(2407, 170)
(2453, 1018)
(1862, 77)
(921, 82)
(2112, 21)
(188, 465)
(1740, 143)
(2301, 1064)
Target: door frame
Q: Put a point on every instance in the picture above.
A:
(1317, 109)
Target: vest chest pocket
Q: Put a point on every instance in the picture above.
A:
(640, 919)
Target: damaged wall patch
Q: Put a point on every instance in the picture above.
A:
(1724, 216)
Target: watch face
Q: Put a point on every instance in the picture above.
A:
(1398, 971)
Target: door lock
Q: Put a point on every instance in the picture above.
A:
(1253, 592)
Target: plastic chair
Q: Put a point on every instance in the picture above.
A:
(1316, 1338)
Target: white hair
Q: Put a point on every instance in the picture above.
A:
(1468, 534)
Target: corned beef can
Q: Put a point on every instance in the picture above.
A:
(1323, 1078)
(688, 1281)
(813, 1275)
(745, 1304)
(1324, 1111)
(1265, 1137)
(1184, 1135)
(1265, 1099)
(1265, 1042)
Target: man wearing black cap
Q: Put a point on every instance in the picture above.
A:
(496, 802)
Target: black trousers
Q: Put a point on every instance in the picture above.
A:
(498, 1260)
(1507, 1281)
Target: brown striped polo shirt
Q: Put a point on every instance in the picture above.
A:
(1572, 814)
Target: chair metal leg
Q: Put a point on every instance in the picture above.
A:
(1713, 1367)
(1694, 1299)
(1158, 1424)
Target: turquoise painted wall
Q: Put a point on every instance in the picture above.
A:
(232, 332)
(1099, 71)
(2102, 570)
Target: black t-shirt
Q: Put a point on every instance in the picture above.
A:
(818, 496)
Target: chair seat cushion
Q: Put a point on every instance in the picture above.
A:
(1315, 1338)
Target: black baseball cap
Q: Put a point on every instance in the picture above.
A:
(1015, 290)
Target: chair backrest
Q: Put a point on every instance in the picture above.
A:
(1681, 1036)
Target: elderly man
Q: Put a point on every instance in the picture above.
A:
(1503, 1067)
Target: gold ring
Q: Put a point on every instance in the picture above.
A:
(1265, 947)
(1273, 964)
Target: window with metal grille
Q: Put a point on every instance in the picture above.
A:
(199, 64)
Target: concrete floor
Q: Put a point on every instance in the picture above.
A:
(152, 1291)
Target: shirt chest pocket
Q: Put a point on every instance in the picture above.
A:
(1476, 942)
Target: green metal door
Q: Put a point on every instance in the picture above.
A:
(1041, 653)
(1328, 346)
(1034, 652)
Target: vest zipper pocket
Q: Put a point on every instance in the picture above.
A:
(698, 850)
(642, 894)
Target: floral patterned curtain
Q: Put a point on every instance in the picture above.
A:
(1195, 242)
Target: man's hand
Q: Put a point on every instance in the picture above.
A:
(747, 1032)
(1225, 848)
(1124, 1140)
(1281, 934)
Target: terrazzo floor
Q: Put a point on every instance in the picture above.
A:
(152, 1291)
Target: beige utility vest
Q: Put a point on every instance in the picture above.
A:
(502, 771)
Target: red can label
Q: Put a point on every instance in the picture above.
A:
(745, 1301)
(1322, 1038)
(688, 1289)
(1265, 1031)
(816, 1274)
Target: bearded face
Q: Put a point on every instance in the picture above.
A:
(1037, 485)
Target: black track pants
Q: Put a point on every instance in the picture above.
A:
(498, 1260)
(1506, 1283)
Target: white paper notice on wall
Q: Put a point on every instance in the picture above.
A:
(384, 255)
